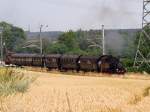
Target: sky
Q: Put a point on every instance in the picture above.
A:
(63, 15)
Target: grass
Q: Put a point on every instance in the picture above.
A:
(67, 93)
(12, 82)
(135, 99)
(146, 91)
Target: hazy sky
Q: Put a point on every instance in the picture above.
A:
(72, 14)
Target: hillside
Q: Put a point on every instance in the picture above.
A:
(119, 42)
(51, 35)
(109, 33)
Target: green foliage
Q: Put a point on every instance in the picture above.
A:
(69, 39)
(57, 48)
(12, 36)
(144, 68)
(127, 62)
(74, 43)
(12, 82)
(144, 47)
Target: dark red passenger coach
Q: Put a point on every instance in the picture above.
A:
(104, 64)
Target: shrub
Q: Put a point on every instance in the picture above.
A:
(128, 62)
(12, 82)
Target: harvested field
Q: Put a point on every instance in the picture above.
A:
(67, 93)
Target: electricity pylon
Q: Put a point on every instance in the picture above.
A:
(143, 58)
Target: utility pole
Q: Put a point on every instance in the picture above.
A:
(1, 35)
(41, 39)
(143, 58)
(28, 28)
(103, 39)
(98, 42)
(1, 47)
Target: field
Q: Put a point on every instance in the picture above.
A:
(54, 92)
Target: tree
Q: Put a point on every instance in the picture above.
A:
(58, 48)
(12, 36)
(69, 39)
(76, 43)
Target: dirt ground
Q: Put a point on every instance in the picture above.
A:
(54, 92)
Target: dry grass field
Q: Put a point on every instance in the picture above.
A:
(54, 92)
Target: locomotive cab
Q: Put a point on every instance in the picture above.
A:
(110, 64)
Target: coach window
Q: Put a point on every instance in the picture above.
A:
(74, 60)
(30, 59)
(21, 60)
(70, 60)
(66, 60)
(48, 59)
(14, 59)
(27, 59)
(18, 59)
(53, 60)
(37, 59)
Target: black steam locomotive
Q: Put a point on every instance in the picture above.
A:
(105, 63)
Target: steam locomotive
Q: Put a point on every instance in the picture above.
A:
(104, 64)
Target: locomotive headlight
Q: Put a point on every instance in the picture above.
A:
(99, 63)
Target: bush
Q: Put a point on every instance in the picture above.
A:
(144, 68)
(12, 82)
(127, 62)
(132, 69)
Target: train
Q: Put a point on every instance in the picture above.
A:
(64, 62)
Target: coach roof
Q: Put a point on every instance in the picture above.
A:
(26, 55)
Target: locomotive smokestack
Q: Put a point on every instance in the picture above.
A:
(103, 41)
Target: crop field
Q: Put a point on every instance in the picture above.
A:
(56, 92)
